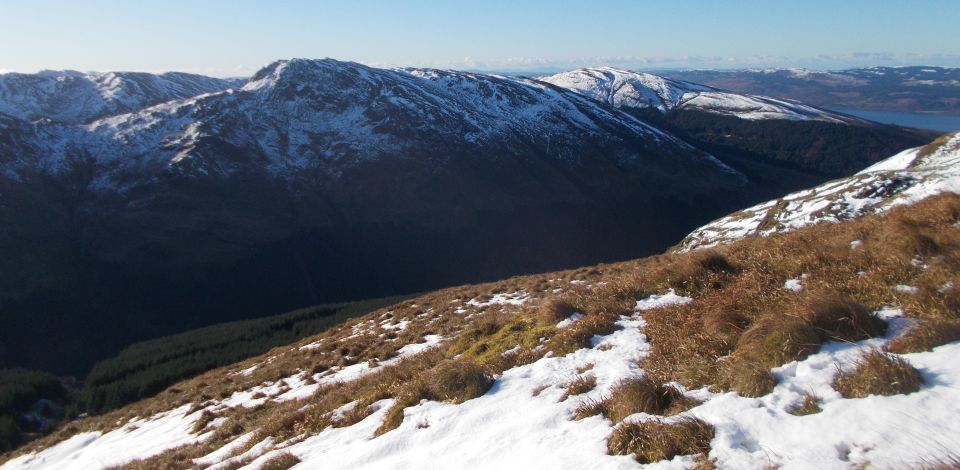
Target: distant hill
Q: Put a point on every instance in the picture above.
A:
(920, 89)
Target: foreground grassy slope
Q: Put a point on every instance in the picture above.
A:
(743, 319)
(146, 368)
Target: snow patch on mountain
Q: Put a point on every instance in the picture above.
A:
(624, 88)
(628, 89)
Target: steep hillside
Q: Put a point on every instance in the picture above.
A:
(902, 179)
(761, 353)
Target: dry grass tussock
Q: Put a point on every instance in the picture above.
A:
(808, 405)
(925, 336)
(841, 319)
(652, 441)
(282, 461)
(742, 323)
(578, 386)
(554, 310)
(878, 373)
(643, 395)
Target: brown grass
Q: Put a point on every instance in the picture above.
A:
(391, 421)
(580, 334)
(643, 395)
(653, 441)
(457, 381)
(202, 422)
(588, 408)
(699, 271)
(878, 373)
(553, 310)
(410, 394)
(580, 385)
(777, 339)
(703, 462)
(720, 323)
(925, 336)
(744, 320)
(808, 405)
(282, 461)
(749, 379)
(842, 319)
(178, 458)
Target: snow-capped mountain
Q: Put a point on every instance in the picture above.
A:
(904, 178)
(301, 115)
(76, 97)
(624, 88)
(927, 89)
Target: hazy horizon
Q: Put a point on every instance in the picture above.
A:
(234, 39)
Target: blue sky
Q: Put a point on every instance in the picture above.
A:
(234, 38)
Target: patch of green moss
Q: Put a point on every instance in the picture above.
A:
(522, 331)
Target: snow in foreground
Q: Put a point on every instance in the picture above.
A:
(513, 426)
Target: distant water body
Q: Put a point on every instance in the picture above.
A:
(923, 121)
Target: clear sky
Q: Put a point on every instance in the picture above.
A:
(234, 38)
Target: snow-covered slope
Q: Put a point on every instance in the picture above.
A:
(624, 88)
(526, 420)
(904, 178)
(75, 97)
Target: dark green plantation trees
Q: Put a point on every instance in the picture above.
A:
(824, 148)
(20, 392)
(146, 368)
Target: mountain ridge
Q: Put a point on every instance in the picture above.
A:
(624, 88)
(920, 89)
(78, 97)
